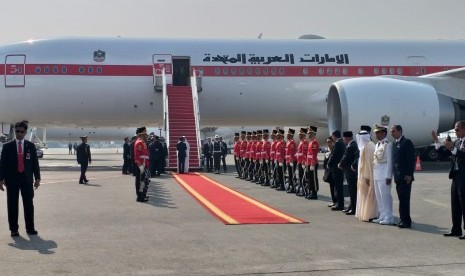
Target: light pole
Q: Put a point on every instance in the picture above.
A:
(159, 129)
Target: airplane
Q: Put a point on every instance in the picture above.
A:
(72, 134)
(335, 84)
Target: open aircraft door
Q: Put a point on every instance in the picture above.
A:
(15, 75)
(163, 61)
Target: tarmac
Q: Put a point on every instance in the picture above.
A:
(100, 229)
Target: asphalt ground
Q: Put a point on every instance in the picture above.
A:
(100, 229)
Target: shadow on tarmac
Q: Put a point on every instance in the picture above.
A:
(159, 196)
(428, 228)
(35, 243)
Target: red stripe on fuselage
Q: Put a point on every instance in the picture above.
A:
(231, 71)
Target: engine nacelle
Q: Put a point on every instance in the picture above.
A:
(414, 105)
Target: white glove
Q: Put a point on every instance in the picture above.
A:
(312, 168)
(141, 168)
(303, 166)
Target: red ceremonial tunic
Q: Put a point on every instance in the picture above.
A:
(302, 151)
(273, 150)
(141, 153)
(243, 148)
(237, 149)
(249, 150)
(280, 151)
(258, 150)
(290, 151)
(266, 147)
(312, 154)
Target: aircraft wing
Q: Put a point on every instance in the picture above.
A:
(454, 73)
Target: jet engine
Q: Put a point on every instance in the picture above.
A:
(416, 106)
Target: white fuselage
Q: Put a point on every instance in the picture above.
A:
(244, 82)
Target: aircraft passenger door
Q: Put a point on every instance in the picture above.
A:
(165, 61)
(15, 75)
(181, 71)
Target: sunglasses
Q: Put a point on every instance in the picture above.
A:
(20, 131)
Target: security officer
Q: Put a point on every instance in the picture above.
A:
(301, 159)
(291, 160)
(126, 156)
(312, 163)
(141, 159)
(84, 158)
(217, 154)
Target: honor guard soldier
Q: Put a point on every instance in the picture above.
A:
(312, 163)
(242, 149)
(301, 159)
(237, 153)
(266, 148)
(258, 157)
(141, 159)
(291, 160)
(280, 159)
(247, 155)
(274, 172)
(252, 156)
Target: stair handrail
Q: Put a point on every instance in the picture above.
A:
(166, 116)
(195, 102)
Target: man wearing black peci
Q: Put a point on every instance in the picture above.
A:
(19, 166)
(337, 174)
(347, 165)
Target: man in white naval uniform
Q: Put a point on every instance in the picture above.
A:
(382, 174)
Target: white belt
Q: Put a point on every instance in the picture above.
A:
(144, 157)
(299, 154)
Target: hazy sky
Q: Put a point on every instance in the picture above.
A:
(391, 19)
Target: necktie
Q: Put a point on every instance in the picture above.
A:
(20, 158)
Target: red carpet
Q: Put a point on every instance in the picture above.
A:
(228, 205)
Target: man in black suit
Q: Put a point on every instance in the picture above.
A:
(217, 152)
(19, 165)
(337, 174)
(83, 157)
(181, 147)
(156, 153)
(208, 154)
(126, 156)
(457, 174)
(403, 166)
(224, 152)
(347, 165)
